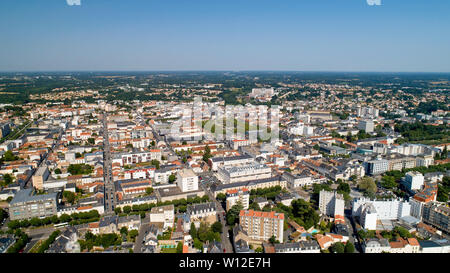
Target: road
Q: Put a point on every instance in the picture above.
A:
(109, 194)
(142, 231)
(352, 231)
(208, 179)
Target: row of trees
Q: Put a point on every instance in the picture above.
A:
(341, 248)
(46, 244)
(73, 219)
(179, 204)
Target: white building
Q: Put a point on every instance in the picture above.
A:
(413, 180)
(164, 214)
(366, 125)
(383, 209)
(238, 195)
(331, 203)
(187, 180)
(246, 172)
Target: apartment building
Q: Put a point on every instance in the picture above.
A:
(262, 226)
(437, 215)
(331, 203)
(237, 195)
(187, 180)
(26, 205)
(246, 172)
(40, 176)
(164, 215)
(217, 162)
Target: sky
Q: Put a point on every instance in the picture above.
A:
(294, 35)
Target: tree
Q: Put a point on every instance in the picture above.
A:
(117, 210)
(344, 187)
(193, 231)
(217, 227)
(388, 182)
(349, 248)
(172, 178)
(180, 247)
(58, 171)
(198, 244)
(69, 196)
(273, 240)
(133, 234)
(221, 197)
(124, 231)
(338, 248)
(233, 213)
(367, 184)
(8, 179)
(207, 155)
(127, 209)
(155, 163)
(149, 191)
(9, 156)
(91, 140)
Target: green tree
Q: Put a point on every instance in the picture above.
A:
(338, 248)
(193, 231)
(133, 234)
(221, 197)
(172, 178)
(124, 231)
(58, 171)
(217, 227)
(349, 248)
(180, 247)
(127, 209)
(149, 191)
(367, 184)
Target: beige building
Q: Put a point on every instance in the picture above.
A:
(261, 225)
(40, 176)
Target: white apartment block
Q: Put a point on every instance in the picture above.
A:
(187, 180)
(331, 203)
(237, 195)
(246, 172)
(413, 180)
(217, 162)
(164, 214)
(383, 210)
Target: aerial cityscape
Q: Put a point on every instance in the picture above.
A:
(222, 160)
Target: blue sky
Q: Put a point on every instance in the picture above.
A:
(303, 35)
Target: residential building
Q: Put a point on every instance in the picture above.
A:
(187, 180)
(237, 195)
(262, 225)
(26, 205)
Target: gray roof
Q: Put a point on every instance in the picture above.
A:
(25, 195)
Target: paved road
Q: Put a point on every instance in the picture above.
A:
(110, 200)
(208, 177)
(138, 244)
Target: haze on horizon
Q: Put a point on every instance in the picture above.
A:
(234, 35)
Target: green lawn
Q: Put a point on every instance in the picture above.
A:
(168, 250)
